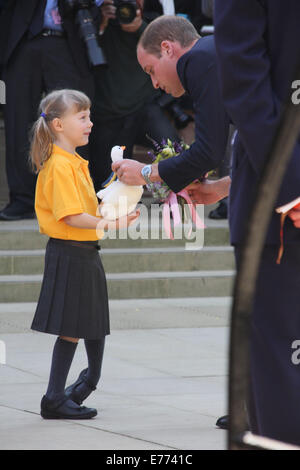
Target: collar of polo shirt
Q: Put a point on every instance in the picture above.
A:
(76, 159)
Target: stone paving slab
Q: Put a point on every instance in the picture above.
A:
(136, 313)
(160, 389)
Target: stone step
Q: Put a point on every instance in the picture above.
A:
(136, 314)
(28, 238)
(143, 285)
(128, 260)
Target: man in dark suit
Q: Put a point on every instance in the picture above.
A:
(183, 63)
(257, 67)
(41, 50)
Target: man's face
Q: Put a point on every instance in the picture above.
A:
(162, 70)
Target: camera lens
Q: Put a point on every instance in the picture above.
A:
(88, 32)
(181, 118)
(80, 9)
(126, 12)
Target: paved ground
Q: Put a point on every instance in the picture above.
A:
(163, 385)
(161, 388)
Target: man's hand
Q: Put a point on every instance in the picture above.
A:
(209, 191)
(294, 214)
(108, 11)
(135, 24)
(129, 172)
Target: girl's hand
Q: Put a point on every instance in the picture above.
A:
(127, 220)
(122, 222)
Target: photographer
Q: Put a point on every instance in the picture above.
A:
(43, 50)
(124, 108)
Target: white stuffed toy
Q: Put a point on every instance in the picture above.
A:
(118, 199)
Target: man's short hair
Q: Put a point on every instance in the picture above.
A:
(167, 28)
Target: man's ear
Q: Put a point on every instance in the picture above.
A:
(167, 48)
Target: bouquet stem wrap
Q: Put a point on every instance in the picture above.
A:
(161, 191)
(171, 204)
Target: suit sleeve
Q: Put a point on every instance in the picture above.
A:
(211, 125)
(240, 28)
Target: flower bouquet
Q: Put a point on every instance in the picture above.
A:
(160, 190)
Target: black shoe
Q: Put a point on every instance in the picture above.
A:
(15, 211)
(220, 212)
(65, 409)
(80, 389)
(223, 422)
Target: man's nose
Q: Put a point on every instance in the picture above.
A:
(154, 82)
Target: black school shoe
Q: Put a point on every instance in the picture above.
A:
(65, 409)
(80, 389)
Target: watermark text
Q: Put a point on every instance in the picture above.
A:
(2, 352)
(153, 224)
(2, 92)
(295, 358)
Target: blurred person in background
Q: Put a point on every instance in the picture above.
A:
(41, 50)
(126, 108)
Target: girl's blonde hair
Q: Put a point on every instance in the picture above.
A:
(54, 105)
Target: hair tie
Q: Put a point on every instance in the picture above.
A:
(43, 115)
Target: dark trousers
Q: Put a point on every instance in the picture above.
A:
(37, 66)
(128, 131)
(274, 409)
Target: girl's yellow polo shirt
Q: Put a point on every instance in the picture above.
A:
(64, 187)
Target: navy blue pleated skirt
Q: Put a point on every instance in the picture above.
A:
(73, 299)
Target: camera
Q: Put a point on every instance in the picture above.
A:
(125, 10)
(173, 106)
(84, 19)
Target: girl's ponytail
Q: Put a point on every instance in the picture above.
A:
(41, 143)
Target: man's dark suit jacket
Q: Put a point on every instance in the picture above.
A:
(258, 51)
(14, 25)
(197, 70)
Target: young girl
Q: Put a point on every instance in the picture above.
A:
(73, 301)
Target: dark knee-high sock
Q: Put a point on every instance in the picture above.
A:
(62, 358)
(94, 349)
